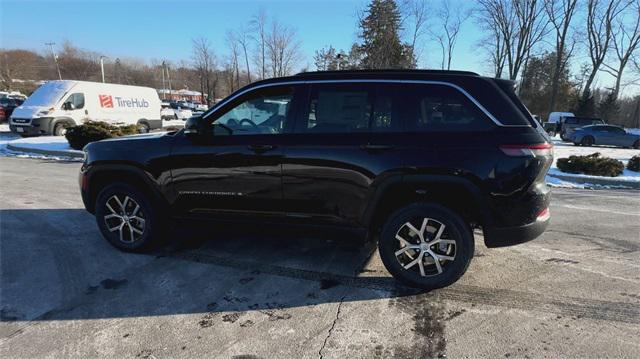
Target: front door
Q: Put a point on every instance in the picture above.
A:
(237, 171)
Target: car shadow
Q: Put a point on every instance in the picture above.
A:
(56, 266)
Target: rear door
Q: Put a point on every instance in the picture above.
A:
(332, 158)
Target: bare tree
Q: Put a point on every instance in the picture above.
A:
(283, 49)
(242, 36)
(259, 27)
(451, 22)
(204, 64)
(600, 22)
(415, 14)
(517, 27)
(560, 14)
(625, 41)
(233, 58)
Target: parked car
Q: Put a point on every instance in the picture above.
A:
(57, 105)
(414, 159)
(7, 105)
(553, 125)
(569, 124)
(604, 135)
(180, 112)
(166, 112)
(200, 107)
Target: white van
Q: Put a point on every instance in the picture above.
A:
(59, 104)
(555, 117)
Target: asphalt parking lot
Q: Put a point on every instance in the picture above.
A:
(257, 293)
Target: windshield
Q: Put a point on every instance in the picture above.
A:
(48, 94)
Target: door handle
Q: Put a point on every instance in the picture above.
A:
(371, 147)
(261, 148)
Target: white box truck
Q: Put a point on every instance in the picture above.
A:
(58, 104)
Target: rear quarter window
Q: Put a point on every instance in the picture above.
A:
(441, 108)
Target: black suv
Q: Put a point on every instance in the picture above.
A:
(414, 159)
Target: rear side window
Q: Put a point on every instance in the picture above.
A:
(337, 109)
(441, 108)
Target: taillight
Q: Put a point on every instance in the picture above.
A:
(539, 149)
(543, 215)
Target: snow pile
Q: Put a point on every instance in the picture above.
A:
(4, 127)
(50, 143)
(566, 149)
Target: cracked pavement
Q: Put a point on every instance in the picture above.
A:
(227, 292)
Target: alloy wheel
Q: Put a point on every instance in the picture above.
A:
(124, 216)
(427, 250)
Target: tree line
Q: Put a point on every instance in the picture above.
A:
(554, 50)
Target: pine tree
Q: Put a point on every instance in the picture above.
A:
(586, 105)
(381, 47)
(608, 108)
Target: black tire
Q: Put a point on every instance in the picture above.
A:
(563, 137)
(144, 127)
(636, 144)
(455, 229)
(153, 229)
(59, 129)
(587, 141)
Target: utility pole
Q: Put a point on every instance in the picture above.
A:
(102, 66)
(169, 79)
(55, 58)
(164, 89)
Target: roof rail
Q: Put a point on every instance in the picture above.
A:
(388, 71)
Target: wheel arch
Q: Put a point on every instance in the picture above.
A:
(104, 175)
(456, 193)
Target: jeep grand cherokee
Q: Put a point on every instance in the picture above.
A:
(414, 159)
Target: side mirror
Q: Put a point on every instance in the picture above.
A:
(196, 127)
(68, 106)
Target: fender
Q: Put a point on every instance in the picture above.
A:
(423, 182)
(130, 171)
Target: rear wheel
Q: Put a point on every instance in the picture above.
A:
(127, 218)
(144, 127)
(426, 246)
(587, 141)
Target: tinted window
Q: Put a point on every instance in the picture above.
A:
(337, 109)
(571, 121)
(262, 112)
(441, 108)
(615, 129)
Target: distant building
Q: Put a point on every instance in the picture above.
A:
(180, 95)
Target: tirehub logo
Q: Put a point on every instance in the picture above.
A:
(106, 101)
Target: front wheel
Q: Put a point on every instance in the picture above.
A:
(127, 218)
(426, 245)
(60, 129)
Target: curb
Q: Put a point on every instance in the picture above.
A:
(612, 182)
(68, 153)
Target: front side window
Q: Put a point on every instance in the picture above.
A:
(442, 108)
(262, 113)
(77, 100)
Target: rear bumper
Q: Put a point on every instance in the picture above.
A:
(509, 236)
